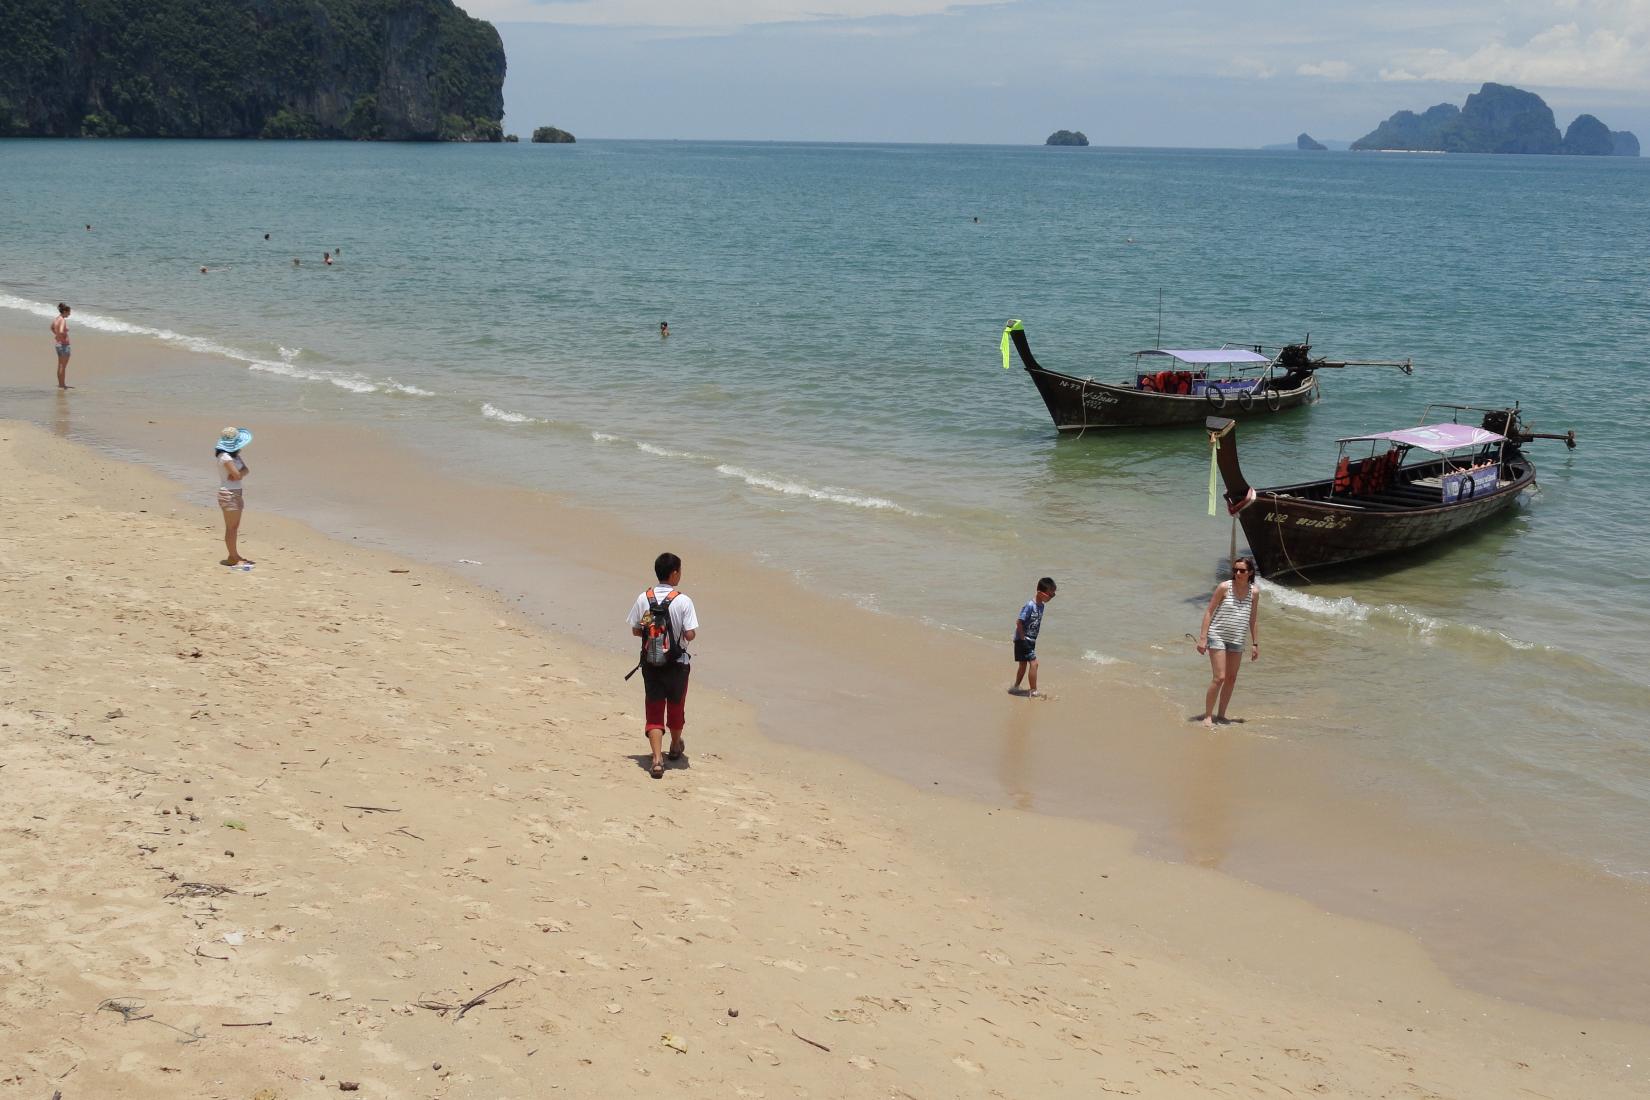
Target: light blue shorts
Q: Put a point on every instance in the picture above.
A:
(1214, 641)
(63, 350)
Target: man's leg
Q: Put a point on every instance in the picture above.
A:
(676, 714)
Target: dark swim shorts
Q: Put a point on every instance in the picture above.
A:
(1025, 649)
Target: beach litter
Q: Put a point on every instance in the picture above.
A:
(468, 561)
(674, 1042)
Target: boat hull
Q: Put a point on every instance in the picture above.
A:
(1291, 534)
(1080, 404)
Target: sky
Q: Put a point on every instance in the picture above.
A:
(1177, 73)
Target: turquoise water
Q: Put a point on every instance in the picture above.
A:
(835, 404)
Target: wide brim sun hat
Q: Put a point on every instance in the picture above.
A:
(233, 439)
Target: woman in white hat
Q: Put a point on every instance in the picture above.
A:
(232, 470)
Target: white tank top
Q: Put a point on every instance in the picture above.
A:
(1231, 621)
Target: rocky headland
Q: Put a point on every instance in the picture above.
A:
(1067, 137)
(1307, 144)
(390, 70)
(1497, 118)
(550, 135)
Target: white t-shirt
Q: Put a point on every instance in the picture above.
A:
(227, 463)
(682, 615)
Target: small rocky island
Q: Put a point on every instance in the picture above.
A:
(1067, 137)
(369, 70)
(1307, 144)
(549, 135)
(1497, 118)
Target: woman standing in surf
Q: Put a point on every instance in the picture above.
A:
(1229, 627)
(232, 470)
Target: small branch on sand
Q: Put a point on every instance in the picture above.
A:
(130, 1012)
(200, 890)
(260, 1023)
(441, 1008)
(810, 1042)
(375, 809)
(403, 830)
(203, 955)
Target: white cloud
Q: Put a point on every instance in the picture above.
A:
(1601, 44)
(727, 14)
(1329, 70)
(1249, 66)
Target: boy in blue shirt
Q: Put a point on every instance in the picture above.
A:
(1027, 626)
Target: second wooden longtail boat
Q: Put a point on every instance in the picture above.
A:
(1381, 503)
(1234, 381)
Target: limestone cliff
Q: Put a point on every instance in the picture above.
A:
(398, 70)
(1496, 119)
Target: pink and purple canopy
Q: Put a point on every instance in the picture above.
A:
(1437, 438)
(1208, 355)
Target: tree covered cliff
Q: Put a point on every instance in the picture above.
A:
(400, 70)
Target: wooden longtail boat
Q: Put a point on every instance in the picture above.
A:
(1381, 503)
(1233, 381)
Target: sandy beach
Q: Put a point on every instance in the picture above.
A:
(270, 832)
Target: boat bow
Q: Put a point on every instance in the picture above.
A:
(1223, 438)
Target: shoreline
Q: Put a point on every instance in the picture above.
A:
(933, 944)
(1284, 816)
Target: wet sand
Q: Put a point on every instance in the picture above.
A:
(321, 800)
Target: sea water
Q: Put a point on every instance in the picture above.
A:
(830, 400)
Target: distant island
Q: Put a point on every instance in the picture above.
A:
(1067, 137)
(549, 135)
(376, 70)
(1305, 144)
(1497, 118)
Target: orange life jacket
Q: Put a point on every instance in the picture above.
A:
(1343, 476)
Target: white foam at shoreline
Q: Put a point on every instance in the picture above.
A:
(505, 416)
(1347, 609)
(1094, 657)
(666, 452)
(792, 488)
(353, 383)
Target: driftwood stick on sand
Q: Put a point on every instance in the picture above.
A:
(260, 1023)
(441, 1008)
(375, 809)
(810, 1042)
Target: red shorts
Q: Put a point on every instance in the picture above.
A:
(666, 694)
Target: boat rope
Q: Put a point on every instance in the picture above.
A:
(1284, 546)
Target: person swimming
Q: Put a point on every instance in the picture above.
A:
(326, 258)
(664, 328)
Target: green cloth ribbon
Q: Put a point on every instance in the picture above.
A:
(1012, 326)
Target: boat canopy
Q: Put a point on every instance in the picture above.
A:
(1208, 355)
(1437, 438)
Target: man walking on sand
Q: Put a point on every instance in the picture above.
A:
(60, 339)
(664, 619)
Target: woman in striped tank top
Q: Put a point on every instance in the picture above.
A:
(1230, 626)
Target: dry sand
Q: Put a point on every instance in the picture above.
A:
(326, 797)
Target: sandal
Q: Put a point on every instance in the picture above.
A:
(658, 771)
(676, 754)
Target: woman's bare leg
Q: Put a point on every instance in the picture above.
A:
(1234, 661)
(1217, 664)
(231, 529)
